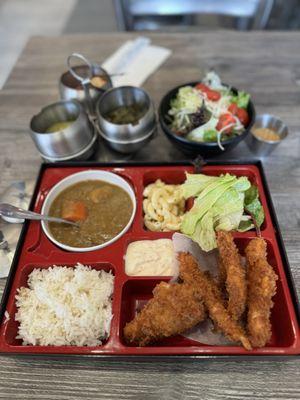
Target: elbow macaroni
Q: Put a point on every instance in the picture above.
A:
(163, 207)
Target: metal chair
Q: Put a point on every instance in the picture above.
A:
(156, 14)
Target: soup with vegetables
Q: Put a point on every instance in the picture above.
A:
(102, 211)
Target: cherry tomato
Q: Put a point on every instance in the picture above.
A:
(233, 108)
(224, 120)
(212, 95)
(202, 87)
(243, 116)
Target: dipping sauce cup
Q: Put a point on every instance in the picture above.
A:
(260, 146)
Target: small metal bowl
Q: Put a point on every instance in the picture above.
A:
(263, 147)
(71, 88)
(125, 96)
(128, 146)
(82, 155)
(66, 142)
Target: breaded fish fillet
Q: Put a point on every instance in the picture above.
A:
(261, 289)
(207, 290)
(233, 273)
(172, 310)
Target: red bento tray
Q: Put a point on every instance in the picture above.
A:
(36, 251)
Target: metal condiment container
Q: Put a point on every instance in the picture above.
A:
(128, 146)
(66, 143)
(126, 138)
(263, 147)
(71, 83)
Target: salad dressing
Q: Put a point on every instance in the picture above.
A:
(266, 134)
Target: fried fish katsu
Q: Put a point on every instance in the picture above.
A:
(261, 289)
(233, 274)
(207, 291)
(173, 309)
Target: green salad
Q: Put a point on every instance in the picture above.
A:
(223, 202)
(209, 111)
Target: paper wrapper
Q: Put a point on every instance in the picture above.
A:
(137, 60)
(208, 261)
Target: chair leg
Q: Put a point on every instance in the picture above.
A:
(263, 13)
(123, 15)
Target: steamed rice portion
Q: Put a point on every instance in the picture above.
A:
(65, 306)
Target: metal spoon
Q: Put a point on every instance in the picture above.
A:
(7, 210)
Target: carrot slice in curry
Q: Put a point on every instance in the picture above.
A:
(74, 210)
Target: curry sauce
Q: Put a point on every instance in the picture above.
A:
(108, 209)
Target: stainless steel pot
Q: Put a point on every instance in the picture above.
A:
(128, 146)
(125, 96)
(72, 88)
(66, 142)
(82, 155)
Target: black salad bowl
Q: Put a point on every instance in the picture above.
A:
(205, 149)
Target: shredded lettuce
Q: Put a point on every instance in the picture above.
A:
(188, 99)
(186, 102)
(220, 203)
(241, 99)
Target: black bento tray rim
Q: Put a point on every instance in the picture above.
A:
(210, 162)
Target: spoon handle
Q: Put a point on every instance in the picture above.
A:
(8, 210)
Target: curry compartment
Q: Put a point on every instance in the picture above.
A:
(132, 292)
(102, 209)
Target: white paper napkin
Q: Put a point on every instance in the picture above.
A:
(137, 59)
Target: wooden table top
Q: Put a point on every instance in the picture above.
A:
(267, 65)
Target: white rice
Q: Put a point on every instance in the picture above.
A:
(65, 306)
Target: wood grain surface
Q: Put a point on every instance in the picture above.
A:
(266, 64)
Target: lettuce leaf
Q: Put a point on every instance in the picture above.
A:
(251, 194)
(230, 211)
(245, 225)
(204, 232)
(241, 99)
(195, 183)
(219, 204)
(253, 206)
(204, 203)
(257, 212)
